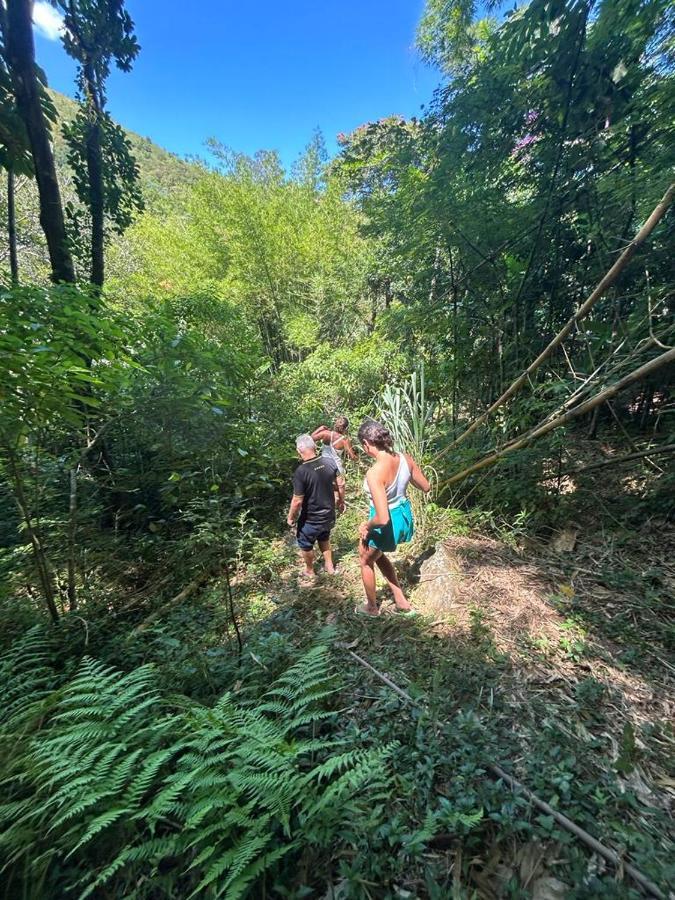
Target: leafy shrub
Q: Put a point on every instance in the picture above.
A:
(331, 380)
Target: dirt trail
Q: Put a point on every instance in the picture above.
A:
(475, 591)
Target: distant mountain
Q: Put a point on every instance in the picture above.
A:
(161, 171)
(162, 176)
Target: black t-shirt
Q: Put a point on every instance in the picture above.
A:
(314, 480)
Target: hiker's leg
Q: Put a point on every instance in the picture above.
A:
(307, 559)
(341, 484)
(386, 566)
(367, 559)
(306, 539)
(327, 553)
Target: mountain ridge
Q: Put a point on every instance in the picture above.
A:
(161, 170)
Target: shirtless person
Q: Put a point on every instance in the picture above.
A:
(334, 443)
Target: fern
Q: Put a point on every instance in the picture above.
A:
(108, 780)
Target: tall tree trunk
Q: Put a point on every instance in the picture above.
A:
(20, 49)
(95, 170)
(95, 177)
(11, 227)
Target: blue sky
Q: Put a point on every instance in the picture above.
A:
(259, 75)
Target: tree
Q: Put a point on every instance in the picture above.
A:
(31, 100)
(96, 33)
(449, 36)
(14, 147)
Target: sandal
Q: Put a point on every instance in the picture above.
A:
(408, 613)
(305, 580)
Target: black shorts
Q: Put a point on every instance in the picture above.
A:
(309, 533)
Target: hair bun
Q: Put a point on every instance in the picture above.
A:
(377, 435)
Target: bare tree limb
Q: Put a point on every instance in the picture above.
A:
(580, 410)
(617, 460)
(606, 282)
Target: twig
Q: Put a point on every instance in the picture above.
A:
(384, 678)
(614, 461)
(648, 886)
(588, 839)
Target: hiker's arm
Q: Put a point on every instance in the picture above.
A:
(294, 510)
(417, 476)
(379, 495)
(319, 433)
(298, 497)
(349, 450)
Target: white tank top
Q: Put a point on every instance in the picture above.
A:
(332, 452)
(397, 489)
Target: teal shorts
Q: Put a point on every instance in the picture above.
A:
(398, 530)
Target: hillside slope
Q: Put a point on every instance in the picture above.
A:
(161, 171)
(162, 175)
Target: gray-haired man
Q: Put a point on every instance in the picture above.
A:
(313, 505)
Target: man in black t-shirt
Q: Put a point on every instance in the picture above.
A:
(313, 505)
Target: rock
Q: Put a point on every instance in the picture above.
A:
(438, 581)
(564, 540)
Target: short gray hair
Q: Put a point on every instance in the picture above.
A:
(305, 442)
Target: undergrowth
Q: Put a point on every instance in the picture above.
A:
(109, 784)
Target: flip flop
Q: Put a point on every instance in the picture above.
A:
(305, 581)
(361, 611)
(408, 613)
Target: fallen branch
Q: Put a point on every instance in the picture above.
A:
(606, 282)
(588, 839)
(606, 852)
(382, 677)
(187, 591)
(616, 460)
(580, 410)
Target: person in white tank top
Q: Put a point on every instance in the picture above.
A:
(335, 443)
(391, 521)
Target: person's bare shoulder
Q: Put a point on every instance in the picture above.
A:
(377, 473)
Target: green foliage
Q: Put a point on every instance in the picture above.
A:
(122, 199)
(495, 212)
(448, 34)
(331, 380)
(408, 415)
(111, 786)
(57, 344)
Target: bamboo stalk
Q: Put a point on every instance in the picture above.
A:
(580, 410)
(606, 282)
(615, 461)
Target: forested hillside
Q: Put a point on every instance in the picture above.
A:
(160, 173)
(184, 715)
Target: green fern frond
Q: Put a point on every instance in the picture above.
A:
(233, 861)
(237, 887)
